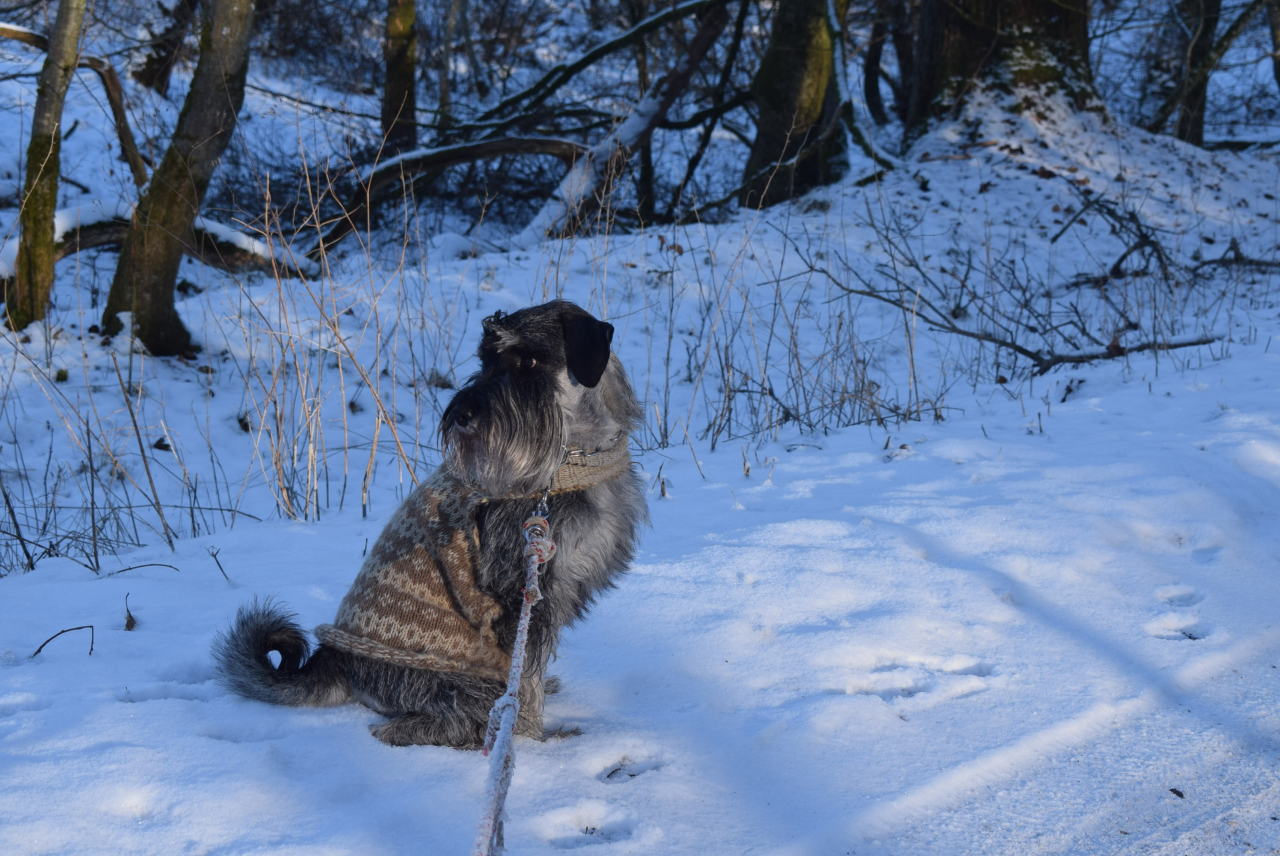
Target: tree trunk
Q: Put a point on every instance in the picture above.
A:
(1201, 18)
(1165, 60)
(1023, 44)
(796, 95)
(399, 101)
(1273, 23)
(27, 299)
(871, 72)
(161, 226)
(158, 66)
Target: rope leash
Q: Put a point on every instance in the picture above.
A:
(499, 741)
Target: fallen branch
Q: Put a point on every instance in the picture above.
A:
(1233, 257)
(86, 227)
(88, 627)
(110, 84)
(375, 183)
(917, 303)
(1115, 351)
(587, 184)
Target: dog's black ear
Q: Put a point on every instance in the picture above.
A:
(586, 346)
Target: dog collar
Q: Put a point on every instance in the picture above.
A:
(582, 469)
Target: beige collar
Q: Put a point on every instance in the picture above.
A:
(582, 469)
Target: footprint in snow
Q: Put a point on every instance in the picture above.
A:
(14, 703)
(584, 824)
(625, 769)
(904, 677)
(1177, 625)
(1178, 595)
(1180, 623)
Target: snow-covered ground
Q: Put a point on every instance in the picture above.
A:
(1003, 634)
(1047, 621)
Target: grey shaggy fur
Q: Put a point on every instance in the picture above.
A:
(547, 383)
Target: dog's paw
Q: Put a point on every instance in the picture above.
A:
(390, 733)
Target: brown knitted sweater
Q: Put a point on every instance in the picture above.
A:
(416, 601)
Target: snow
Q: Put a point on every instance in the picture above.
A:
(1045, 623)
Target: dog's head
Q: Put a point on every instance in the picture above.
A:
(547, 382)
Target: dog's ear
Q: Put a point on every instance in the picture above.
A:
(586, 346)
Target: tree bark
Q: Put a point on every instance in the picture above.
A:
(399, 93)
(1165, 59)
(1273, 23)
(871, 72)
(28, 298)
(161, 228)
(1025, 44)
(1202, 19)
(796, 96)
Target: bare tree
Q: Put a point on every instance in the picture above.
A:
(797, 98)
(28, 297)
(400, 53)
(1273, 24)
(1204, 51)
(161, 230)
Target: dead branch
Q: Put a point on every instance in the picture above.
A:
(211, 246)
(588, 182)
(88, 627)
(1052, 361)
(110, 84)
(920, 303)
(561, 74)
(393, 173)
(17, 529)
(1233, 257)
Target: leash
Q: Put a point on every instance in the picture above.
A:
(499, 741)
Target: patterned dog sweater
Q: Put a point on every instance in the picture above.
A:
(416, 601)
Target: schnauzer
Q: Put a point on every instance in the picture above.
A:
(424, 636)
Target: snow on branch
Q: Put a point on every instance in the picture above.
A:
(581, 190)
(377, 182)
(104, 224)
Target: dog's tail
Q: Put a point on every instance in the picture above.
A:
(243, 666)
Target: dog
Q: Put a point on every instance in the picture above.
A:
(424, 636)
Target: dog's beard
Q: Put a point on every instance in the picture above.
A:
(505, 436)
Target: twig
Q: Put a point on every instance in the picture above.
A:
(145, 565)
(88, 627)
(17, 529)
(142, 451)
(213, 554)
